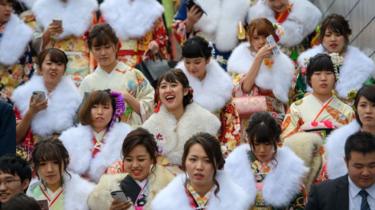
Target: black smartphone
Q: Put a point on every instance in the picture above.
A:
(120, 195)
(191, 3)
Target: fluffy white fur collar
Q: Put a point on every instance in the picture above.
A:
(138, 18)
(63, 103)
(278, 78)
(220, 23)
(29, 3)
(216, 88)
(335, 152)
(76, 191)
(171, 134)
(174, 196)
(357, 68)
(14, 41)
(302, 20)
(290, 169)
(78, 142)
(76, 15)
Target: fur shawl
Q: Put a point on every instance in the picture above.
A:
(78, 142)
(357, 68)
(277, 79)
(171, 134)
(220, 23)
(76, 191)
(129, 18)
(29, 3)
(302, 20)
(335, 153)
(290, 169)
(63, 103)
(14, 41)
(76, 15)
(215, 90)
(230, 196)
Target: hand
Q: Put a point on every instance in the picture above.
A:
(265, 51)
(120, 205)
(54, 29)
(37, 106)
(153, 47)
(193, 16)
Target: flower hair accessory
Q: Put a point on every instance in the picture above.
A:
(119, 106)
(337, 61)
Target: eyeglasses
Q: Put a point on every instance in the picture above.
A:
(9, 182)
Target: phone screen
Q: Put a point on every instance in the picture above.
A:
(39, 95)
(119, 195)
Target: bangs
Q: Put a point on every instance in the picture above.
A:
(102, 39)
(170, 76)
(99, 98)
(261, 134)
(262, 26)
(46, 152)
(57, 57)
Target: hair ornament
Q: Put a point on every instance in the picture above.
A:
(337, 61)
(119, 107)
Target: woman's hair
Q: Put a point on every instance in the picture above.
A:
(263, 27)
(176, 75)
(263, 129)
(140, 136)
(102, 34)
(55, 55)
(337, 24)
(21, 202)
(212, 148)
(51, 149)
(98, 97)
(12, 2)
(320, 62)
(196, 47)
(367, 91)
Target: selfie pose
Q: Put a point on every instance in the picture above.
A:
(46, 105)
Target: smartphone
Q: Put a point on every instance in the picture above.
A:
(39, 95)
(271, 41)
(191, 3)
(120, 195)
(56, 21)
(43, 204)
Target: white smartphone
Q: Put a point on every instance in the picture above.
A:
(271, 41)
(120, 195)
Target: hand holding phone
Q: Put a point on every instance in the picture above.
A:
(191, 3)
(39, 96)
(120, 195)
(271, 41)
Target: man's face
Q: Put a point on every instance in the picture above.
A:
(10, 185)
(361, 169)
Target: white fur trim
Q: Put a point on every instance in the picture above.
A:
(28, 3)
(14, 41)
(302, 20)
(174, 196)
(138, 18)
(335, 153)
(220, 23)
(278, 78)
(281, 185)
(78, 142)
(175, 133)
(76, 15)
(215, 90)
(63, 103)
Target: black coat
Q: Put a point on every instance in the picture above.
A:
(7, 129)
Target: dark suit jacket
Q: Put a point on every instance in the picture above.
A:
(7, 129)
(329, 195)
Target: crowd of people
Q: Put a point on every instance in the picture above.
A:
(257, 105)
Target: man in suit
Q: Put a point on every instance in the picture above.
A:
(356, 190)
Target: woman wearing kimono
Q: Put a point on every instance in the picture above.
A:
(94, 144)
(203, 185)
(113, 74)
(46, 104)
(212, 88)
(63, 24)
(59, 188)
(272, 177)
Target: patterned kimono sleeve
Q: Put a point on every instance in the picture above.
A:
(230, 133)
(292, 122)
(160, 35)
(298, 203)
(179, 31)
(145, 95)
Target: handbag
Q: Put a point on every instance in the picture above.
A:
(154, 68)
(247, 105)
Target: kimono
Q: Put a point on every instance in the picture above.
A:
(90, 157)
(356, 69)
(63, 103)
(72, 195)
(123, 78)
(214, 93)
(335, 152)
(310, 114)
(171, 134)
(136, 28)
(76, 17)
(176, 196)
(261, 183)
(101, 199)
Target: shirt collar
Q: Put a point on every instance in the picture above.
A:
(354, 189)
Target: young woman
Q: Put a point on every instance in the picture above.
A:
(355, 67)
(212, 88)
(321, 111)
(142, 182)
(204, 185)
(364, 104)
(93, 145)
(115, 75)
(260, 167)
(62, 190)
(50, 111)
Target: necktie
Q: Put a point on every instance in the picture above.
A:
(364, 203)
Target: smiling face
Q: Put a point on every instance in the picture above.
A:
(171, 95)
(101, 116)
(138, 163)
(10, 185)
(52, 72)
